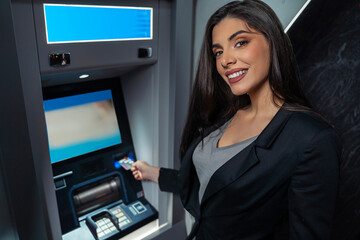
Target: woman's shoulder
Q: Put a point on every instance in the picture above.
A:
(309, 129)
(309, 122)
(307, 119)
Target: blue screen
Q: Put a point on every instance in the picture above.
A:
(79, 23)
(80, 124)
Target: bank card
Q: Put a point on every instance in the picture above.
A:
(126, 163)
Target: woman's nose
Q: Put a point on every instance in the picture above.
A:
(227, 59)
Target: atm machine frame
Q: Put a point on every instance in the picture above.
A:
(29, 203)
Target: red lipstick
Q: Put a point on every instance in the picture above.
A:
(237, 78)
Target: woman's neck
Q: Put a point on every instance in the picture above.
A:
(263, 102)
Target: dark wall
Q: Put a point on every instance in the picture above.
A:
(326, 41)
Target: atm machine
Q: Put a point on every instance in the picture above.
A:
(100, 86)
(91, 153)
(90, 142)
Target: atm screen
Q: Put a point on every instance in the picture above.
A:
(81, 124)
(68, 23)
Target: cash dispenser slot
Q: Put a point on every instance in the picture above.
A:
(96, 195)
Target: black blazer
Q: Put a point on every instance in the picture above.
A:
(282, 186)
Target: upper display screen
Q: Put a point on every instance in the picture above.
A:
(80, 124)
(66, 23)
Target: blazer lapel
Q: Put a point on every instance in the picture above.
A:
(274, 128)
(230, 171)
(247, 158)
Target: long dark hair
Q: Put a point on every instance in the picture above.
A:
(212, 100)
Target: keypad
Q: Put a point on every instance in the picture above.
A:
(105, 227)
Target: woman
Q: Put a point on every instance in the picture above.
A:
(257, 162)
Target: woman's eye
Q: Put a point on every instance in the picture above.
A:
(217, 53)
(241, 43)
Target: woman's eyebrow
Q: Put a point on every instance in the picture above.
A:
(237, 33)
(216, 45)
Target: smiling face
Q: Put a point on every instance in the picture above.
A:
(242, 56)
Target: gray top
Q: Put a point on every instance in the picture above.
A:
(207, 157)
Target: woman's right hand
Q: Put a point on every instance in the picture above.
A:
(143, 171)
